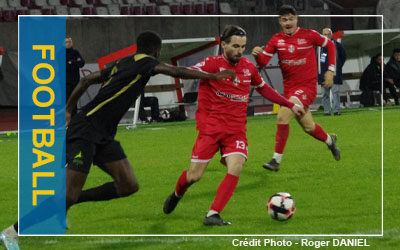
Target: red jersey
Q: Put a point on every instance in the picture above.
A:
(297, 57)
(222, 104)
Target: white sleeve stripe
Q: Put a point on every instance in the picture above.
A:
(332, 68)
(267, 54)
(325, 42)
(260, 85)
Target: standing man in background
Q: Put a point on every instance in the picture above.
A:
(74, 62)
(337, 80)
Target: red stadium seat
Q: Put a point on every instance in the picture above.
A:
(212, 8)
(200, 8)
(9, 15)
(125, 10)
(88, 11)
(48, 11)
(151, 9)
(138, 10)
(22, 11)
(187, 9)
(176, 9)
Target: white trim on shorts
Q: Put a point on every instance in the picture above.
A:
(234, 153)
(301, 103)
(200, 161)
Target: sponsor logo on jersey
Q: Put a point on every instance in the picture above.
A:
(304, 97)
(295, 62)
(301, 41)
(291, 48)
(281, 42)
(234, 97)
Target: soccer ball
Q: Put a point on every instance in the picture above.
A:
(164, 114)
(280, 206)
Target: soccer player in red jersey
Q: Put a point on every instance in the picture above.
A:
(296, 51)
(221, 121)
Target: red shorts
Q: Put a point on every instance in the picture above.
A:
(305, 95)
(207, 145)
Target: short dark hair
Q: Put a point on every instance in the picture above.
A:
(148, 42)
(287, 9)
(232, 30)
(396, 50)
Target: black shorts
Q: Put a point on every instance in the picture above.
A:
(81, 153)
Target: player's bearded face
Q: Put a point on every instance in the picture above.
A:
(233, 51)
(288, 23)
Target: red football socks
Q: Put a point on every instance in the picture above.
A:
(282, 134)
(182, 184)
(224, 192)
(319, 133)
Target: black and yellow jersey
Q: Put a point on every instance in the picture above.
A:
(123, 83)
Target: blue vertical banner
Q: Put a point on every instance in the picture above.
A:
(41, 125)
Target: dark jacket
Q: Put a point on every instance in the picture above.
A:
(340, 59)
(392, 71)
(73, 68)
(371, 77)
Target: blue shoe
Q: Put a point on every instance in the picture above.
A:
(10, 240)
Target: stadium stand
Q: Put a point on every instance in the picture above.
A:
(10, 9)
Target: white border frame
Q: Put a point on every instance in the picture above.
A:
(211, 235)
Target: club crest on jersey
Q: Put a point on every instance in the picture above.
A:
(301, 41)
(291, 48)
(236, 82)
(246, 72)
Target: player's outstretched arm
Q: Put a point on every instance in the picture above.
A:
(82, 86)
(186, 73)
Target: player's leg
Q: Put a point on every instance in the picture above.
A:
(186, 179)
(112, 160)
(336, 99)
(234, 164)
(316, 131)
(204, 149)
(326, 101)
(282, 135)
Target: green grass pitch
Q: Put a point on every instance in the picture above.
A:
(331, 197)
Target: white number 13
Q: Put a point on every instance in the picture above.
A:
(240, 145)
